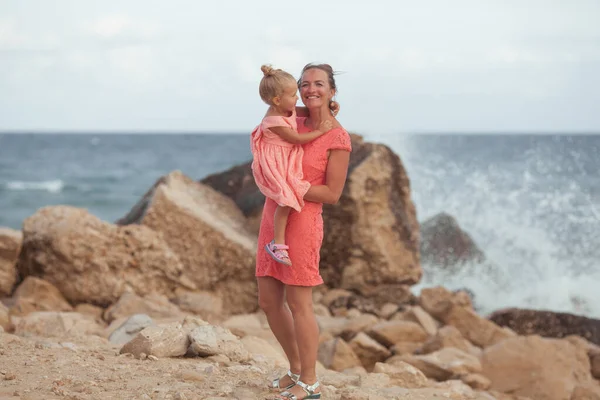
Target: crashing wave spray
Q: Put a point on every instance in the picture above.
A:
(533, 222)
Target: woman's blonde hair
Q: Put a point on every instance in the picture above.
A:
(273, 83)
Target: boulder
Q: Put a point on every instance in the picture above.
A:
(336, 354)
(368, 350)
(402, 374)
(154, 305)
(438, 300)
(372, 234)
(206, 304)
(92, 261)
(445, 244)
(168, 340)
(130, 328)
(207, 232)
(5, 319)
(388, 333)
(237, 183)
(210, 340)
(35, 294)
(420, 316)
(57, 324)
(548, 323)
(449, 336)
(536, 367)
(474, 328)
(10, 246)
(443, 364)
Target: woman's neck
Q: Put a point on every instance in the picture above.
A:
(316, 116)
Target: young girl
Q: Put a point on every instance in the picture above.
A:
(277, 154)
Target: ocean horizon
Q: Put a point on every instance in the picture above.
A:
(530, 201)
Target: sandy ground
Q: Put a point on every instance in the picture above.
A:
(91, 368)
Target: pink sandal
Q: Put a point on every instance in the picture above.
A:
(279, 253)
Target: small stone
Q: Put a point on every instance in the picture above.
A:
(143, 356)
(10, 376)
(70, 346)
(152, 358)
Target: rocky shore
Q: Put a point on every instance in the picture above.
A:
(162, 303)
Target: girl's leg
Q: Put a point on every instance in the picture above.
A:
(281, 218)
(299, 299)
(271, 299)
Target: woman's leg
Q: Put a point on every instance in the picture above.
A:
(271, 299)
(280, 221)
(299, 299)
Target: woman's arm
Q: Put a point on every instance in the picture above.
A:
(335, 178)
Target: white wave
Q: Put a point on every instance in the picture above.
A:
(523, 228)
(52, 186)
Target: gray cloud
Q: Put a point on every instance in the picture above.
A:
(408, 65)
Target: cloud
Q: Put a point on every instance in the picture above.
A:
(434, 63)
(112, 26)
(10, 38)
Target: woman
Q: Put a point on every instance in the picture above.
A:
(325, 165)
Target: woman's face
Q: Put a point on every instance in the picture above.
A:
(315, 89)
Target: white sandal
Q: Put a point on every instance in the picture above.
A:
(295, 378)
(310, 392)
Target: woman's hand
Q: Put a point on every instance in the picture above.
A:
(334, 107)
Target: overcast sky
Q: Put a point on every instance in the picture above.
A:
(406, 65)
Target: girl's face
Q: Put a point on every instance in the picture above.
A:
(289, 98)
(315, 89)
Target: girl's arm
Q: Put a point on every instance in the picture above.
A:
(335, 178)
(290, 135)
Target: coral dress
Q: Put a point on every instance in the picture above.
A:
(304, 232)
(277, 164)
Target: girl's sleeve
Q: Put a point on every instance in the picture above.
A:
(271, 122)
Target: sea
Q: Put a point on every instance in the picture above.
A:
(531, 202)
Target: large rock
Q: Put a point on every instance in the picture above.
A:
(445, 244)
(35, 294)
(237, 183)
(207, 231)
(438, 300)
(336, 354)
(372, 234)
(368, 350)
(10, 245)
(169, 340)
(476, 329)
(548, 323)
(210, 340)
(544, 369)
(154, 305)
(402, 374)
(5, 323)
(93, 261)
(130, 328)
(57, 324)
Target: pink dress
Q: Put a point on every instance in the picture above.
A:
(304, 232)
(277, 164)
